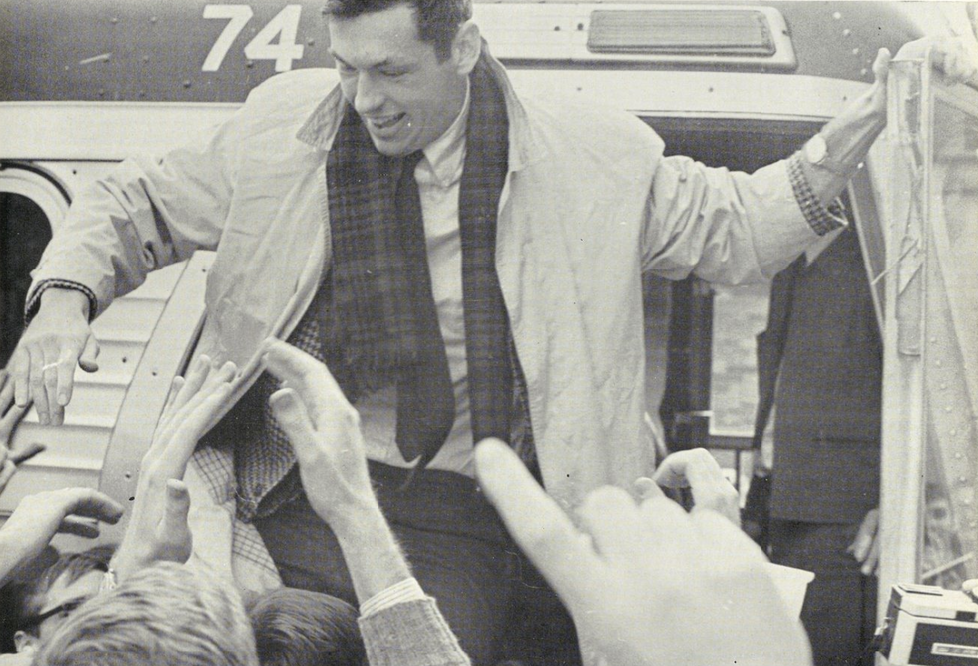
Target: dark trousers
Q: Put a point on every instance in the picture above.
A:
(839, 613)
(453, 539)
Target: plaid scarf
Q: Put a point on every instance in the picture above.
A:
(383, 325)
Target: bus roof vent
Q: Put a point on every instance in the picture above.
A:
(720, 35)
(714, 32)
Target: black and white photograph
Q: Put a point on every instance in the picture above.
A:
(488, 333)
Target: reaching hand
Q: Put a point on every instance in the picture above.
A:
(866, 546)
(43, 365)
(10, 416)
(158, 528)
(698, 470)
(324, 429)
(39, 517)
(647, 583)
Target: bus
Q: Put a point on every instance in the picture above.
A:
(85, 84)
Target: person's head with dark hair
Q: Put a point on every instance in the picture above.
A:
(404, 66)
(164, 614)
(301, 628)
(13, 595)
(56, 593)
(437, 21)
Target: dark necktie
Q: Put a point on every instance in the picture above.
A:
(425, 397)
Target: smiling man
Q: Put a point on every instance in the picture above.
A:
(467, 261)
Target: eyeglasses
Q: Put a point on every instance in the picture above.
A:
(62, 611)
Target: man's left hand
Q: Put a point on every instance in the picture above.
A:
(324, 429)
(949, 55)
(866, 546)
(158, 528)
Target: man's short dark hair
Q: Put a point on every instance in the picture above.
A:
(70, 565)
(301, 628)
(437, 20)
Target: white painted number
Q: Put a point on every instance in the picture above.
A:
(239, 15)
(285, 26)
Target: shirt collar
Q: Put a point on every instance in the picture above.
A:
(446, 154)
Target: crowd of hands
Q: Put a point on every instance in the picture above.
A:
(634, 568)
(646, 581)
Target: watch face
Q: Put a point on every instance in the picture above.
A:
(816, 149)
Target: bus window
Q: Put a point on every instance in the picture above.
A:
(25, 230)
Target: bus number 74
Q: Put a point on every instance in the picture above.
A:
(285, 26)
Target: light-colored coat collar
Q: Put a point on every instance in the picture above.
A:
(319, 131)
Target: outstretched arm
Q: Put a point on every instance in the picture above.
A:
(39, 517)
(324, 429)
(157, 529)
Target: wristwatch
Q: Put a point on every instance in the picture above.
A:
(817, 154)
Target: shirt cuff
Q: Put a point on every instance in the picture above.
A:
(822, 219)
(398, 593)
(34, 304)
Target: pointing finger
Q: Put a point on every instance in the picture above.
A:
(537, 523)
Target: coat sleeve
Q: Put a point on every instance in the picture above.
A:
(145, 214)
(724, 226)
(413, 633)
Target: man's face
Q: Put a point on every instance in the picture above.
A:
(405, 96)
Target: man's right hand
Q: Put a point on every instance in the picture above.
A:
(43, 365)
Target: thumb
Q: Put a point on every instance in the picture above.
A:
(177, 508)
(881, 66)
(291, 414)
(89, 354)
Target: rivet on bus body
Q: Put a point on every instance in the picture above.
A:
(947, 409)
(153, 19)
(973, 523)
(114, 20)
(962, 479)
(846, 32)
(250, 64)
(837, 16)
(953, 433)
(943, 385)
(958, 456)
(855, 51)
(933, 339)
(863, 72)
(938, 363)
(186, 83)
